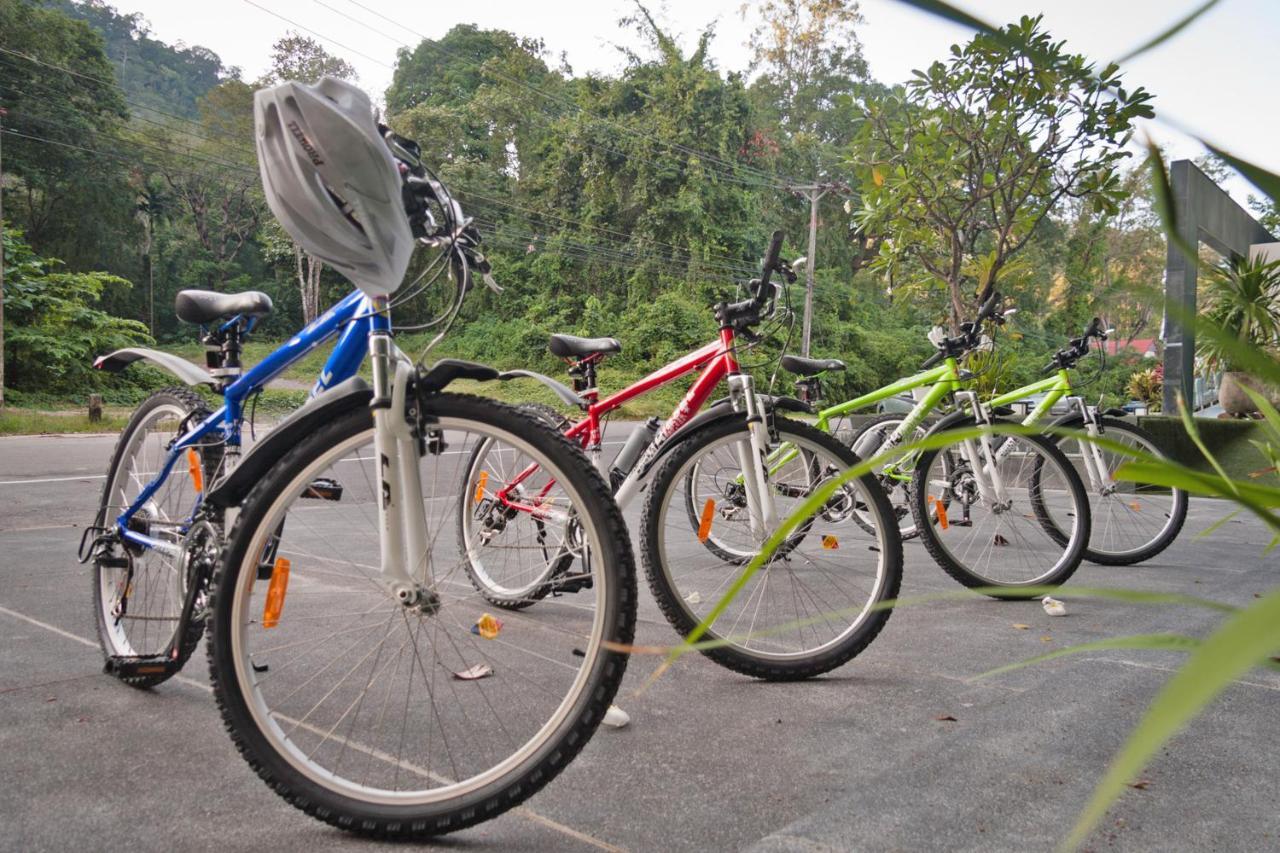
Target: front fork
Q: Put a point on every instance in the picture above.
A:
(1095, 465)
(752, 455)
(406, 568)
(985, 464)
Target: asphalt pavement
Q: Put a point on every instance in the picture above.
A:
(904, 748)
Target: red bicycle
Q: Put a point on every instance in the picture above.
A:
(711, 502)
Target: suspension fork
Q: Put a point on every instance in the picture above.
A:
(406, 569)
(985, 473)
(1091, 453)
(752, 455)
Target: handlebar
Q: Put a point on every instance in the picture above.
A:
(970, 333)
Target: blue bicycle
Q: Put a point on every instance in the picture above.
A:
(356, 668)
(154, 538)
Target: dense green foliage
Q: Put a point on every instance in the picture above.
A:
(53, 329)
(620, 205)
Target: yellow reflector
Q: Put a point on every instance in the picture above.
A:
(481, 482)
(197, 473)
(275, 593)
(942, 513)
(708, 513)
(1135, 506)
(830, 542)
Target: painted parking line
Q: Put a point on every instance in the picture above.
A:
(53, 480)
(521, 811)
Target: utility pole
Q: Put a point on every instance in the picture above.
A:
(813, 192)
(3, 113)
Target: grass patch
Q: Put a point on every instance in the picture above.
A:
(36, 422)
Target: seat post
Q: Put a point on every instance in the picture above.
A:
(230, 368)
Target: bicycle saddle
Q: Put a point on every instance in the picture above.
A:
(569, 346)
(810, 366)
(204, 306)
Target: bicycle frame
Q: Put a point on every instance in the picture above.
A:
(716, 361)
(355, 316)
(1055, 388)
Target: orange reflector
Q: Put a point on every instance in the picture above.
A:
(708, 513)
(830, 542)
(275, 593)
(942, 513)
(481, 482)
(1135, 506)
(197, 473)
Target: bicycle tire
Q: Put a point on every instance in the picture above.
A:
(182, 406)
(944, 553)
(361, 807)
(867, 618)
(1097, 551)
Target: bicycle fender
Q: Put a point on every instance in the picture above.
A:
(342, 398)
(190, 374)
(1067, 421)
(960, 417)
(561, 390)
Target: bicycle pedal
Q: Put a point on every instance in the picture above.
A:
(136, 667)
(571, 583)
(324, 489)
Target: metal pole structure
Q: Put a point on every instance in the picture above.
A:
(3, 113)
(813, 192)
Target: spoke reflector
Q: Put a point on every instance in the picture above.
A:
(197, 473)
(708, 513)
(942, 513)
(830, 542)
(481, 482)
(275, 593)
(1135, 506)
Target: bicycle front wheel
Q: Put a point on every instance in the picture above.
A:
(985, 524)
(1131, 522)
(397, 720)
(813, 606)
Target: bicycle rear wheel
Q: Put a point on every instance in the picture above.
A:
(138, 593)
(410, 721)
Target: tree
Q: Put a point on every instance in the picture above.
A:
(808, 104)
(296, 57)
(53, 330)
(66, 196)
(964, 163)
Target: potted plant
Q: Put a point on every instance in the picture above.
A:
(1243, 300)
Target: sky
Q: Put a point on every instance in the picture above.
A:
(1220, 77)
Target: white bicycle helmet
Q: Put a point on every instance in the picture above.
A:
(332, 182)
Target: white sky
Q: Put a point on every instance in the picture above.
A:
(1220, 76)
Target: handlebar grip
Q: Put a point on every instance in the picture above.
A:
(770, 261)
(775, 250)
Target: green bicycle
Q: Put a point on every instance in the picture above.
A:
(1131, 522)
(1004, 512)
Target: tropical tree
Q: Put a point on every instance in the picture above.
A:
(965, 162)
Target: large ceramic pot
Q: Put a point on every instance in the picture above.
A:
(1233, 398)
